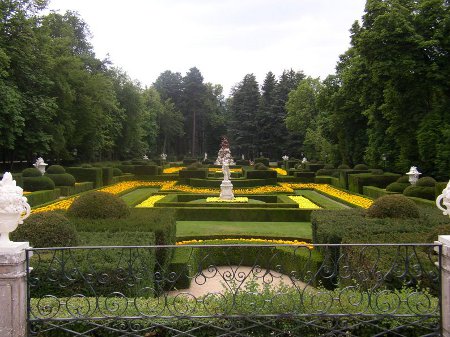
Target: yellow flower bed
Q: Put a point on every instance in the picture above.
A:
(279, 170)
(218, 169)
(236, 199)
(252, 240)
(150, 202)
(303, 202)
(171, 170)
(58, 205)
(327, 189)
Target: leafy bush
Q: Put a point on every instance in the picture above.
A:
(435, 232)
(93, 174)
(31, 172)
(361, 167)
(62, 179)
(393, 206)
(55, 169)
(403, 180)
(426, 182)
(420, 192)
(32, 184)
(46, 229)
(98, 205)
(261, 167)
(376, 171)
(325, 172)
(397, 187)
(343, 167)
(195, 166)
(262, 160)
(117, 172)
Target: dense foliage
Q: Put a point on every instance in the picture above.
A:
(98, 205)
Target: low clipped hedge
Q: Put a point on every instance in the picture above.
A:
(75, 189)
(314, 167)
(262, 160)
(55, 169)
(397, 187)
(375, 192)
(344, 174)
(146, 170)
(199, 174)
(117, 172)
(41, 197)
(31, 172)
(260, 174)
(31, 184)
(305, 177)
(124, 177)
(61, 179)
(393, 206)
(420, 192)
(438, 188)
(237, 183)
(323, 180)
(93, 174)
(107, 175)
(356, 182)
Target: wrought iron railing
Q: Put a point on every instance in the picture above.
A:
(235, 290)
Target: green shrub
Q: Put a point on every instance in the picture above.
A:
(393, 206)
(98, 205)
(146, 170)
(94, 174)
(31, 172)
(62, 179)
(356, 182)
(117, 172)
(46, 229)
(435, 232)
(32, 184)
(261, 167)
(426, 182)
(403, 180)
(419, 192)
(86, 166)
(195, 166)
(325, 172)
(360, 167)
(262, 160)
(41, 197)
(343, 167)
(328, 167)
(107, 175)
(55, 169)
(397, 187)
(311, 167)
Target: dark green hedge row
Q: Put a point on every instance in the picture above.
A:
(375, 192)
(343, 176)
(323, 180)
(305, 176)
(31, 184)
(42, 197)
(61, 179)
(237, 183)
(262, 160)
(124, 177)
(356, 182)
(94, 174)
(258, 174)
(314, 167)
(199, 174)
(77, 188)
(108, 174)
(146, 170)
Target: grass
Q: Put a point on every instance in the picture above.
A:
(137, 196)
(222, 229)
(321, 200)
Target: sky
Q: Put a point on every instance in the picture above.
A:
(224, 39)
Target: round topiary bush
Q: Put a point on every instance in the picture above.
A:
(31, 184)
(393, 206)
(403, 180)
(31, 172)
(396, 187)
(63, 179)
(361, 167)
(98, 205)
(422, 192)
(46, 229)
(55, 169)
(117, 172)
(426, 182)
(343, 167)
(261, 167)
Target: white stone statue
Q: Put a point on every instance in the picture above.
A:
(13, 208)
(226, 170)
(304, 160)
(242, 157)
(145, 157)
(443, 200)
(413, 175)
(206, 157)
(40, 165)
(163, 156)
(285, 157)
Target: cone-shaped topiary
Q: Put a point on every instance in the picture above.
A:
(98, 205)
(426, 182)
(31, 172)
(46, 229)
(393, 206)
(55, 169)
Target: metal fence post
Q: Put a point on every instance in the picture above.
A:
(445, 284)
(13, 290)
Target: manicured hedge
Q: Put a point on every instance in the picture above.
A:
(150, 170)
(356, 182)
(42, 197)
(420, 192)
(343, 176)
(123, 177)
(77, 188)
(262, 160)
(188, 161)
(31, 184)
(237, 183)
(61, 179)
(305, 177)
(126, 168)
(94, 174)
(375, 192)
(259, 174)
(108, 174)
(199, 174)
(314, 167)
(439, 187)
(323, 180)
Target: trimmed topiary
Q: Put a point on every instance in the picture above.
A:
(343, 167)
(55, 169)
(328, 167)
(62, 179)
(426, 182)
(195, 166)
(376, 171)
(422, 192)
(261, 167)
(393, 206)
(403, 180)
(46, 229)
(86, 166)
(396, 187)
(361, 167)
(98, 205)
(117, 172)
(32, 184)
(31, 172)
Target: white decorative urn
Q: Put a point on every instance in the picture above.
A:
(13, 208)
(443, 200)
(40, 165)
(413, 175)
(145, 157)
(304, 160)
(285, 157)
(163, 156)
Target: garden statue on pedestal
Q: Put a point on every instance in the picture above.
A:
(224, 158)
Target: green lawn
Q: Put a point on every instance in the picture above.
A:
(221, 229)
(137, 196)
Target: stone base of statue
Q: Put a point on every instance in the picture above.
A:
(226, 190)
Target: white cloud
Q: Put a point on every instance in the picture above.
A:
(225, 39)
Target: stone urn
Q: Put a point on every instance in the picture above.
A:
(40, 165)
(443, 200)
(13, 208)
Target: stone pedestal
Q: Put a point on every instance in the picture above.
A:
(445, 284)
(226, 190)
(13, 290)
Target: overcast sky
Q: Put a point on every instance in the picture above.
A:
(224, 39)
